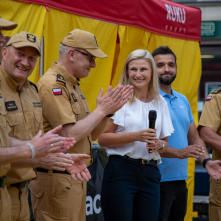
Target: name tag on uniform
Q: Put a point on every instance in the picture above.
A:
(10, 106)
(36, 104)
(57, 91)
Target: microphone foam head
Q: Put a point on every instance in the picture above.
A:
(152, 115)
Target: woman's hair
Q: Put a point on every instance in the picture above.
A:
(153, 88)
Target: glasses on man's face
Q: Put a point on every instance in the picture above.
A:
(92, 58)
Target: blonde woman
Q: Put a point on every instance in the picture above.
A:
(131, 183)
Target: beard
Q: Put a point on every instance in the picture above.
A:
(167, 81)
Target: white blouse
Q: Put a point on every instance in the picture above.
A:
(133, 118)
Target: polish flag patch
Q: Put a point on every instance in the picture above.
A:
(208, 98)
(57, 91)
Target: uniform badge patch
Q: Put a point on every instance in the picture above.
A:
(57, 91)
(31, 38)
(61, 78)
(10, 106)
(82, 96)
(74, 97)
(208, 98)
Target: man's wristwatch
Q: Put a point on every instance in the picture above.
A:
(163, 144)
(205, 161)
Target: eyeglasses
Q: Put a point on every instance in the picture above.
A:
(92, 58)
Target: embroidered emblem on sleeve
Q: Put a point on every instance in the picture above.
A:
(208, 98)
(57, 91)
(61, 78)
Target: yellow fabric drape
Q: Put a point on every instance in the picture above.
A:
(117, 42)
(30, 18)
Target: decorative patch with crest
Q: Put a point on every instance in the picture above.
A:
(61, 78)
(31, 38)
(57, 91)
(74, 97)
(10, 106)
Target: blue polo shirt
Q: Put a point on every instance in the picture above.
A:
(181, 115)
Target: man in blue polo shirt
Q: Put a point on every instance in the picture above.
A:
(183, 143)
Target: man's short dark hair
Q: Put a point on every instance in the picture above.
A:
(163, 50)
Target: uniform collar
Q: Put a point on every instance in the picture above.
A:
(71, 80)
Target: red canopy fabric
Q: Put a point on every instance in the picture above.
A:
(159, 16)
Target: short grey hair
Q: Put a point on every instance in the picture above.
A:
(63, 49)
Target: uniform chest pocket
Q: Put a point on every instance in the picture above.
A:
(38, 116)
(76, 107)
(14, 119)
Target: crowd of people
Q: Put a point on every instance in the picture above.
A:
(46, 132)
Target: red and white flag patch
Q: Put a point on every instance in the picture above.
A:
(208, 98)
(57, 91)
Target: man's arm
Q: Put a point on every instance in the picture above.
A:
(195, 149)
(12, 154)
(213, 167)
(55, 161)
(193, 138)
(110, 103)
(43, 145)
(211, 138)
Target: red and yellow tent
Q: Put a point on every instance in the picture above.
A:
(120, 27)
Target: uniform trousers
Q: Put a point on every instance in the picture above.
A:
(214, 212)
(56, 196)
(19, 204)
(5, 205)
(215, 200)
(130, 191)
(173, 200)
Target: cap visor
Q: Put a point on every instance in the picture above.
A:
(26, 44)
(97, 53)
(7, 25)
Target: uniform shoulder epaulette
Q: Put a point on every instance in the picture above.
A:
(34, 86)
(60, 78)
(218, 90)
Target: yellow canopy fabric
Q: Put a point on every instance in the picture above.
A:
(117, 41)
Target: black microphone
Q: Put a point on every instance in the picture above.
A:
(152, 119)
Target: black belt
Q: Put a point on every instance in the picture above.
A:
(54, 171)
(19, 185)
(140, 161)
(2, 181)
